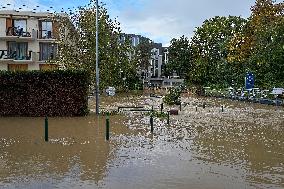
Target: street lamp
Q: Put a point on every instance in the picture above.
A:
(97, 58)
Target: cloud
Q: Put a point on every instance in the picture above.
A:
(160, 20)
(166, 19)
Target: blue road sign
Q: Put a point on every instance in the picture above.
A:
(249, 80)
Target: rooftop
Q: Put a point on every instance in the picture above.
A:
(6, 13)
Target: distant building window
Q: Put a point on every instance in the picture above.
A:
(47, 51)
(18, 50)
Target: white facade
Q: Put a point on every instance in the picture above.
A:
(156, 61)
(27, 40)
(166, 56)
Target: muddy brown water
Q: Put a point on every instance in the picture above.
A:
(242, 147)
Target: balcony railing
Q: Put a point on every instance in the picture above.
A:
(30, 56)
(45, 34)
(19, 32)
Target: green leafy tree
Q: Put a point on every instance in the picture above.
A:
(259, 47)
(143, 52)
(267, 58)
(77, 47)
(179, 57)
(209, 50)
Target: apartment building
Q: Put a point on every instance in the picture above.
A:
(156, 61)
(27, 40)
(153, 75)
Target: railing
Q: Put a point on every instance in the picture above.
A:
(5, 55)
(19, 32)
(13, 31)
(45, 34)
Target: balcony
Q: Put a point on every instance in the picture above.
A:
(13, 57)
(16, 34)
(45, 36)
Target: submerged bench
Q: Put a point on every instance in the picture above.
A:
(129, 107)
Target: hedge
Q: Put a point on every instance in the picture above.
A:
(44, 93)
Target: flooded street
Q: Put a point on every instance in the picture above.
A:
(240, 147)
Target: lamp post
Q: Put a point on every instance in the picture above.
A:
(97, 58)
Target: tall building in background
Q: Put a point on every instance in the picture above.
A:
(159, 57)
(27, 40)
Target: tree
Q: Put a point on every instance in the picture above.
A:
(209, 50)
(260, 45)
(179, 57)
(143, 52)
(267, 59)
(78, 41)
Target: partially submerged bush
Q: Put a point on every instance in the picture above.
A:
(173, 97)
(40, 93)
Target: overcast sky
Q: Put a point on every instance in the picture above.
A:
(160, 20)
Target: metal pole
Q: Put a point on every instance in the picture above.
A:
(168, 118)
(97, 58)
(46, 129)
(152, 123)
(151, 120)
(107, 126)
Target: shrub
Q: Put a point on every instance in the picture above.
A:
(173, 97)
(40, 93)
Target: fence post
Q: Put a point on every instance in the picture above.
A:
(151, 123)
(222, 108)
(107, 126)
(196, 108)
(46, 129)
(151, 120)
(168, 118)
(162, 107)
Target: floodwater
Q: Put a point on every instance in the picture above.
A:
(241, 147)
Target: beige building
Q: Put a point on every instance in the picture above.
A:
(27, 40)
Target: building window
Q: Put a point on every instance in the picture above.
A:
(47, 51)
(20, 25)
(16, 27)
(17, 67)
(45, 29)
(48, 67)
(18, 50)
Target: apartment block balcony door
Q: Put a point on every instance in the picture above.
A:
(47, 51)
(16, 27)
(18, 50)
